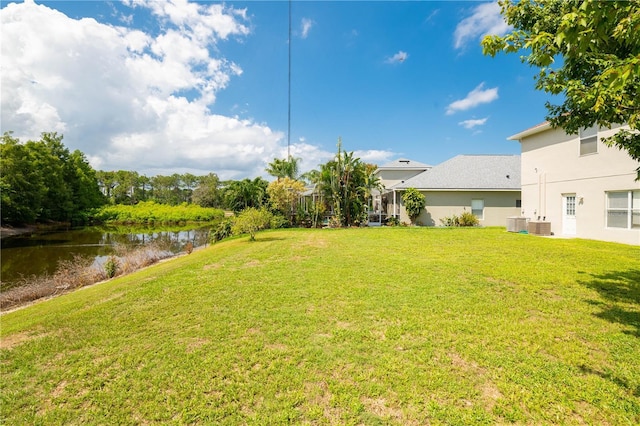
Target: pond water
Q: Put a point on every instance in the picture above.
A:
(39, 253)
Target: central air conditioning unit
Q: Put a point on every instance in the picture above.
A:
(539, 227)
(516, 224)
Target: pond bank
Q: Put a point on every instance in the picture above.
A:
(11, 231)
(76, 276)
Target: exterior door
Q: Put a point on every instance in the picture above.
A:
(569, 214)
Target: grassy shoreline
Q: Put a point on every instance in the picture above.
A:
(348, 326)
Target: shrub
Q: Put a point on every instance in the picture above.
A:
(224, 230)
(111, 266)
(450, 221)
(468, 219)
(252, 220)
(465, 219)
(278, 221)
(393, 221)
(188, 248)
(414, 202)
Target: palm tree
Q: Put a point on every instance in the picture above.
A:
(241, 194)
(342, 182)
(370, 182)
(284, 168)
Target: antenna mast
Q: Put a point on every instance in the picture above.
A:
(289, 92)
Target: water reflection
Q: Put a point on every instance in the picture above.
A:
(40, 253)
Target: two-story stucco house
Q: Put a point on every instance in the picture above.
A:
(581, 186)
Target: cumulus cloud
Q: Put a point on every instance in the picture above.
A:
(118, 94)
(470, 124)
(375, 156)
(305, 27)
(474, 98)
(399, 57)
(485, 19)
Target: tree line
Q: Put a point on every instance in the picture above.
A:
(43, 181)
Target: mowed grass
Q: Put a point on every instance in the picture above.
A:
(356, 326)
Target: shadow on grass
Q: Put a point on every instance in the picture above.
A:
(261, 239)
(620, 292)
(613, 379)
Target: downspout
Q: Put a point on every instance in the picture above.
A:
(544, 194)
(539, 210)
(394, 203)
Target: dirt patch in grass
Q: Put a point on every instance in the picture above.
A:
(314, 240)
(212, 266)
(252, 263)
(9, 342)
(319, 399)
(488, 391)
(381, 408)
(196, 343)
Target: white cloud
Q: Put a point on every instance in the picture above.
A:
(118, 94)
(485, 19)
(397, 58)
(305, 27)
(432, 15)
(474, 98)
(375, 156)
(470, 124)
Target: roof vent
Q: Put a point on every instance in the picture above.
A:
(404, 161)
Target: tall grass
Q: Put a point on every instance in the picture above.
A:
(149, 212)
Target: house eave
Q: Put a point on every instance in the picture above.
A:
(402, 169)
(529, 132)
(462, 189)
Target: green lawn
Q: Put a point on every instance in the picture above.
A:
(357, 326)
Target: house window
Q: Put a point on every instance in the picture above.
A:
(518, 203)
(623, 209)
(477, 208)
(589, 141)
(570, 205)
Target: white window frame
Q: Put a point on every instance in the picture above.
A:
(589, 140)
(475, 209)
(631, 210)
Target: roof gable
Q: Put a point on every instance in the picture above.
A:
(492, 172)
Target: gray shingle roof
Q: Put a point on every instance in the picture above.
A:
(403, 163)
(475, 172)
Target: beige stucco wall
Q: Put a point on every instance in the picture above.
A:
(393, 177)
(552, 166)
(498, 206)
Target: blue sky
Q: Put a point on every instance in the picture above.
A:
(176, 86)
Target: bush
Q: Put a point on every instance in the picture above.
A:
(111, 267)
(465, 219)
(450, 221)
(393, 221)
(414, 202)
(252, 220)
(224, 230)
(468, 219)
(278, 221)
(188, 248)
